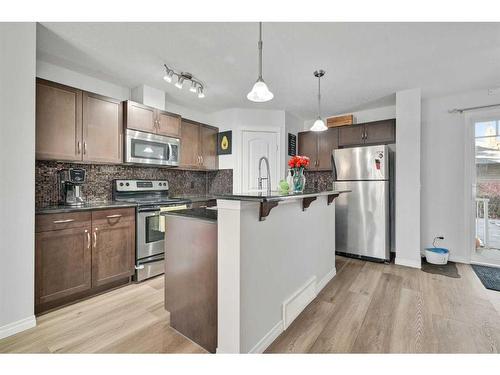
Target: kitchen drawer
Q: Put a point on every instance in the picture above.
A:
(113, 216)
(48, 222)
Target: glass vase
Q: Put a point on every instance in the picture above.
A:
(299, 180)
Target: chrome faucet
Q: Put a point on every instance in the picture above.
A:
(268, 178)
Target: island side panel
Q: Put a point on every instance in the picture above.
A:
(228, 276)
(277, 257)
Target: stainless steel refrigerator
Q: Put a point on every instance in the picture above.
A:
(363, 216)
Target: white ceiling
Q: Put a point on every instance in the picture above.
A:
(364, 62)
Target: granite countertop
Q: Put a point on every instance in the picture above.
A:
(99, 205)
(278, 195)
(195, 198)
(197, 213)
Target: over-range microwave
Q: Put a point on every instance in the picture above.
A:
(151, 149)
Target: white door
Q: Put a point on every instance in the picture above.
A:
(486, 187)
(256, 144)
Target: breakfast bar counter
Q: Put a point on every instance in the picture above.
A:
(270, 265)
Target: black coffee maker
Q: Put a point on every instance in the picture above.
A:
(71, 181)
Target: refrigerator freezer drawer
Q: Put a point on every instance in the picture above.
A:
(362, 224)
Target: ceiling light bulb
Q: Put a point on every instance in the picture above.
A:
(193, 87)
(179, 82)
(168, 77)
(260, 93)
(200, 92)
(319, 125)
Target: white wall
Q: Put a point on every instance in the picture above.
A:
(238, 119)
(81, 81)
(17, 171)
(408, 118)
(443, 171)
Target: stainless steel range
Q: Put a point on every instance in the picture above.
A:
(152, 198)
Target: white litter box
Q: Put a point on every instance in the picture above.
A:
(437, 255)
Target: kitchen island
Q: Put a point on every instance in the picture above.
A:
(275, 253)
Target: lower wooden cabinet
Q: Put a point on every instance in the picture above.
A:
(63, 261)
(113, 232)
(80, 254)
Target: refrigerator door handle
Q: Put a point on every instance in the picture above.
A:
(334, 167)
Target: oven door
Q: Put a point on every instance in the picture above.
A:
(147, 148)
(150, 233)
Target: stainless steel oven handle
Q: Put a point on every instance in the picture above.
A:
(63, 221)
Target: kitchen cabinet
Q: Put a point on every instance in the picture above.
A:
(370, 133)
(58, 121)
(113, 233)
(74, 125)
(62, 256)
(151, 120)
(198, 145)
(102, 129)
(318, 146)
(79, 254)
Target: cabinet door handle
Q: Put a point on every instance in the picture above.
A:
(201, 160)
(78, 147)
(84, 148)
(113, 216)
(63, 221)
(88, 238)
(95, 237)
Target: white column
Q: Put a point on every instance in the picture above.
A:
(17, 171)
(408, 124)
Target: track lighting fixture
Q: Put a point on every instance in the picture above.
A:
(197, 86)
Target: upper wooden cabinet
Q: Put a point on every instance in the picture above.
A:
(58, 121)
(369, 133)
(102, 129)
(74, 125)
(198, 146)
(151, 120)
(318, 146)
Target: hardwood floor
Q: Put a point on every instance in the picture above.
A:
(379, 308)
(366, 308)
(127, 320)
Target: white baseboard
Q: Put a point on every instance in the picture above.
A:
(408, 262)
(298, 301)
(458, 259)
(18, 326)
(268, 339)
(325, 280)
(292, 307)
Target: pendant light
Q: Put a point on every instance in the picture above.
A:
(319, 124)
(260, 93)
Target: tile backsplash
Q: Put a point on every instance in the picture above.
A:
(100, 178)
(319, 180)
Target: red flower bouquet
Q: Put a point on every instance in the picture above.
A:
(297, 164)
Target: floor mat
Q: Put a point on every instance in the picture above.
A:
(489, 276)
(449, 270)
